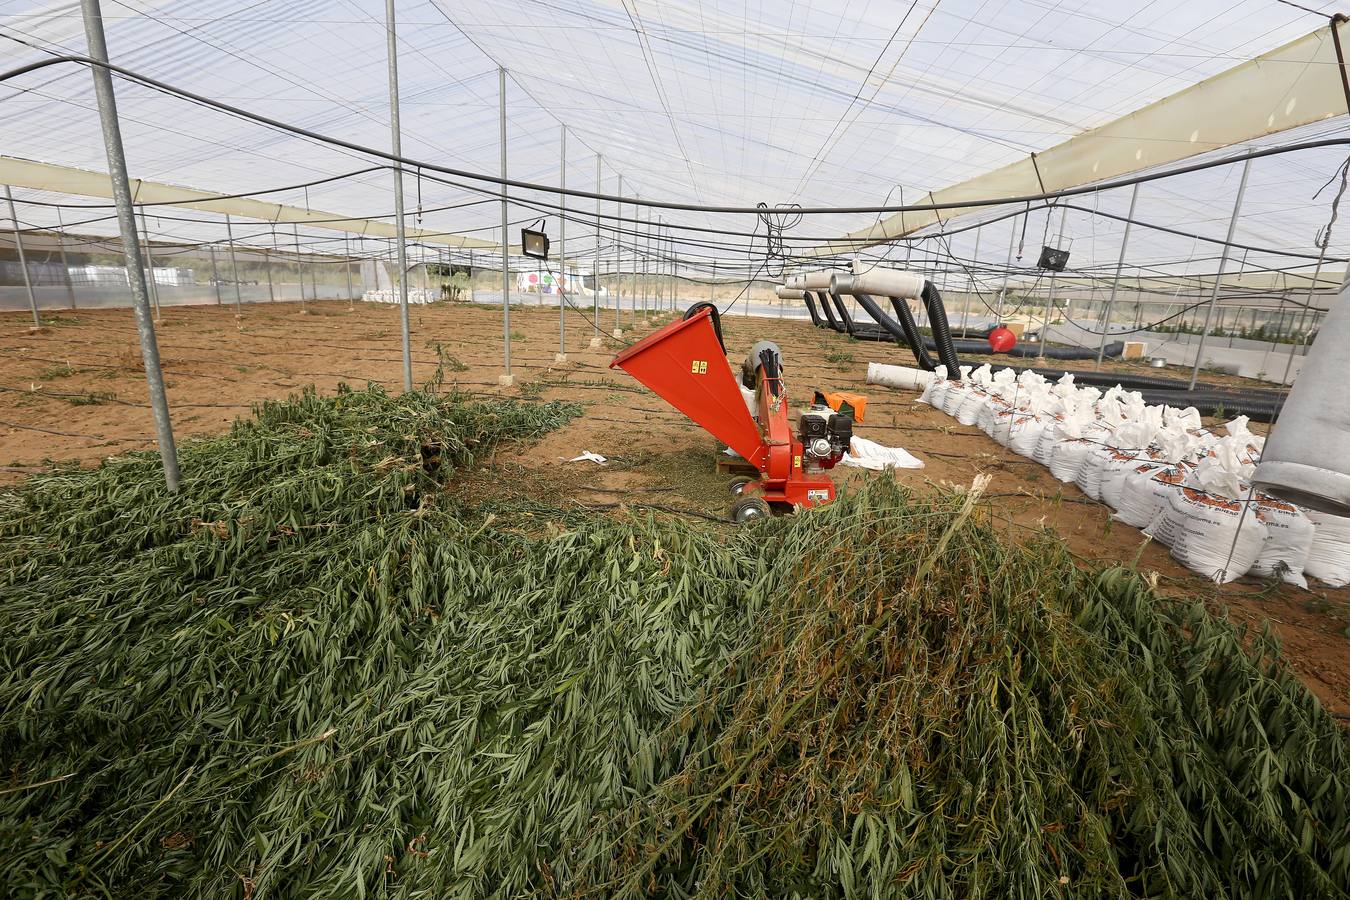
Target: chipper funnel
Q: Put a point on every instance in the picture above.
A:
(686, 364)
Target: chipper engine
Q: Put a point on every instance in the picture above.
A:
(686, 364)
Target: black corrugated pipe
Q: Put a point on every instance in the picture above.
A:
(829, 314)
(716, 316)
(942, 332)
(979, 347)
(843, 313)
(811, 308)
(1151, 383)
(1222, 405)
(905, 333)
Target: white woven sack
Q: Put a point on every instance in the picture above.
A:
(1208, 533)
(1329, 555)
(1289, 539)
(1147, 491)
(969, 411)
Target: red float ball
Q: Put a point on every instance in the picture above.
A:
(1001, 340)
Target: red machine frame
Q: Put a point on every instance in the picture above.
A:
(685, 363)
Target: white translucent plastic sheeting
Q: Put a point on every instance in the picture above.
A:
(1289, 87)
(80, 183)
(848, 103)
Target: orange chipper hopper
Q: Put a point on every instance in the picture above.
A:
(685, 363)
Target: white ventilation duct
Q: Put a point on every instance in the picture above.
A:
(1306, 459)
(819, 281)
(879, 282)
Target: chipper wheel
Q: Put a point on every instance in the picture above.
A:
(738, 485)
(749, 509)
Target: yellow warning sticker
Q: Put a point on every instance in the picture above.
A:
(699, 367)
(796, 462)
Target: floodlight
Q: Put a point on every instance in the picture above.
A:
(534, 243)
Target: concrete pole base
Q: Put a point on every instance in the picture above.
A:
(506, 380)
(618, 332)
(595, 343)
(560, 357)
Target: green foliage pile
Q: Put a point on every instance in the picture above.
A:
(317, 673)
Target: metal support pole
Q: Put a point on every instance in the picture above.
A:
(346, 268)
(23, 260)
(646, 260)
(471, 273)
(1218, 277)
(215, 275)
(660, 269)
(396, 145)
(234, 265)
(506, 262)
(65, 263)
(618, 257)
(299, 272)
(267, 267)
(1050, 293)
(126, 221)
(150, 265)
(1321, 255)
(1007, 272)
(595, 277)
(275, 246)
(563, 287)
(1115, 285)
(965, 308)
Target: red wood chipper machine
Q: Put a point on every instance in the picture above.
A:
(686, 364)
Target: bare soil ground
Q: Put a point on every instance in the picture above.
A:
(75, 391)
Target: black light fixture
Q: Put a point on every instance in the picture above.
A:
(533, 241)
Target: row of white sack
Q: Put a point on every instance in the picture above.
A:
(1195, 500)
(417, 296)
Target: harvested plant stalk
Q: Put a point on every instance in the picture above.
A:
(316, 673)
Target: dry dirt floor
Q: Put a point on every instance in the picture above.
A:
(75, 390)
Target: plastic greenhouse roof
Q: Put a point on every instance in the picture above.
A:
(707, 102)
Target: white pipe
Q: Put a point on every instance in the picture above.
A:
(785, 293)
(879, 282)
(901, 377)
(819, 281)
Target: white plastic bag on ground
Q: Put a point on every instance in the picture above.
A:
(1208, 533)
(1329, 555)
(866, 454)
(1289, 539)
